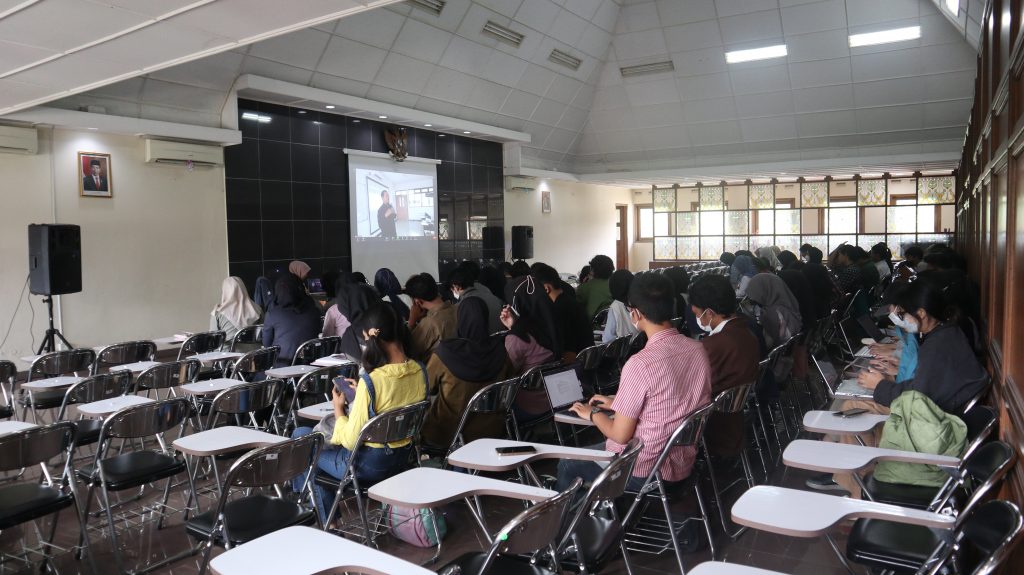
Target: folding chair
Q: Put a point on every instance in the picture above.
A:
(237, 521)
(131, 468)
(54, 364)
(204, 342)
(397, 425)
(982, 545)
(314, 349)
(30, 500)
(600, 319)
(595, 533)
(253, 363)
(244, 400)
(532, 532)
(731, 401)
(647, 534)
(590, 360)
(494, 400)
(121, 353)
(249, 337)
(532, 381)
(167, 376)
(8, 377)
(95, 388)
(315, 387)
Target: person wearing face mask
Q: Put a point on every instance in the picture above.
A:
(733, 353)
(431, 319)
(463, 284)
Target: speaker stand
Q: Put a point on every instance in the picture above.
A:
(49, 343)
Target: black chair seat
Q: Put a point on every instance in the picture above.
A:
(250, 517)
(23, 502)
(890, 545)
(599, 538)
(43, 399)
(502, 565)
(916, 496)
(87, 431)
(209, 372)
(6, 411)
(132, 469)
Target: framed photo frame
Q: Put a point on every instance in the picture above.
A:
(94, 176)
(545, 202)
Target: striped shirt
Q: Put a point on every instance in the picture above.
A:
(660, 385)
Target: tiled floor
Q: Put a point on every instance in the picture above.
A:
(786, 554)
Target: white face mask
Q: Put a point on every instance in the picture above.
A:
(636, 324)
(456, 294)
(904, 324)
(704, 326)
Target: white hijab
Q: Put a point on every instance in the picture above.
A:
(235, 304)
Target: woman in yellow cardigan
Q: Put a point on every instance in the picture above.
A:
(391, 381)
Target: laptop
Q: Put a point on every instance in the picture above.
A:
(563, 388)
(841, 388)
(314, 285)
(850, 389)
(871, 329)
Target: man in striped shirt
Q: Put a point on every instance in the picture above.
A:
(660, 385)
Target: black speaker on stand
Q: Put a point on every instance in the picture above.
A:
(522, 242)
(54, 268)
(494, 243)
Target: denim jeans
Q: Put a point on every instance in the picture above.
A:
(374, 464)
(570, 469)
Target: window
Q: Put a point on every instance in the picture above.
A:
(644, 223)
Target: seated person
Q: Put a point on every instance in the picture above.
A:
(532, 341)
(733, 354)
(660, 385)
(354, 299)
(459, 368)
(235, 309)
(391, 381)
(618, 324)
(742, 271)
(463, 283)
(431, 319)
(390, 290)
(594, 294)
(293, 319)
(576, 331)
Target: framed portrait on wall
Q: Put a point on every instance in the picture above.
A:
(94, 177)
(545, 202)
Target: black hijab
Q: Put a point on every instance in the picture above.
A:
(473, 355)
(354, 299)
(535, 315)
(290, 295)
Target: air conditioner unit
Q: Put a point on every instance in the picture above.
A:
(164, 152)
(520, 184)
(15, 140)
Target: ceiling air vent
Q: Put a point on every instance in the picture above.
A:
(568, 60)
(432, 6)
(640, 69)
(503, 34)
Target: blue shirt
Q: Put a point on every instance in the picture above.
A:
(908, 357)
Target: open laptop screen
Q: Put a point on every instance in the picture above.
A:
(563, 387)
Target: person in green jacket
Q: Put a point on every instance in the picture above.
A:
(595, 294)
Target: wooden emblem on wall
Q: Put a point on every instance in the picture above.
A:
(397, 141)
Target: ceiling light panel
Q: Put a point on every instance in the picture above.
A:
(652, 68)
(568, 60)
(885, 36)
(503, 34)
(765, 53)
(433, 6)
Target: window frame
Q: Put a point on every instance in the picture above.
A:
(637, 210)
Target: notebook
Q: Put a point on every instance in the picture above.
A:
(563, 388)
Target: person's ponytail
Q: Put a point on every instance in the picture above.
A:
(381, 324)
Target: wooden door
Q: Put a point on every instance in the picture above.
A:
(622, 243)
(402, 206)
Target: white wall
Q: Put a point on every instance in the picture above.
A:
(581, 223)
(153, 256)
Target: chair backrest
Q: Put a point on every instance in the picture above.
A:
(496, 398)
(533, 529)
(617, 348)
(394, 425)
(733, 400)
(981, 544)
(533, 378)
(320, 381)
(277, 463)
(590, 358)
(203, 342)
(63, 362)
(96, 388)
(125, 352)
(978, 397)
(168, 375)
(688, 432)
(637, 341)
(600, 319)
(314, 349)
(28, 447)
(254, 362)
(249, 335)
(145, 420)
(981, 422)
(986, 468)
(611, 483)
(8, 371)
(247, 398)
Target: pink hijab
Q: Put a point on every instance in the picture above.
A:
(299, 269)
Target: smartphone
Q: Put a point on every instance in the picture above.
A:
(515, 450)
(345, 389)
(849, 412)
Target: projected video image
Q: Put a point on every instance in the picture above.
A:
(391, 205)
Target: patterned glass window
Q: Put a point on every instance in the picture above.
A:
(688, 248)
(787, 222)
(901, 219)
(788, 243)
(898, 243)
(820, 242)
(836, 241)
(940, 190)
(735, 244)
(736, 223)
(762, 196)
(688, 224)
(711, 223)
(814, 194)
(664, 248)
(871, 193)
(712, 198)
(664, 199)
(711, 248)
(865, 241)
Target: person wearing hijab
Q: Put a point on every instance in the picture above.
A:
(354, 299)
(741, 272)
(335, 322)
(293, 319)
(235, 309)
(533, 340)
(771, 256)
(460, 367)
(263, 294)
(390, 290)
(727, 258)
(780, 315)
(789, 260)
(619, 324)
(299, 269)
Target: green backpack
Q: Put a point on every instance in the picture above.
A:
(917, 424)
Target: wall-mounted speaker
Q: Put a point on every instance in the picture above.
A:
(494, 243)
(522, 242)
